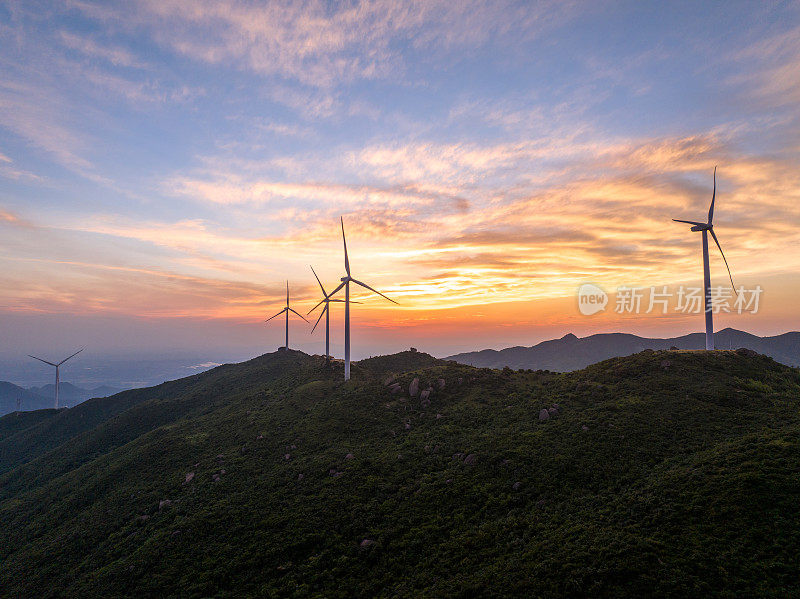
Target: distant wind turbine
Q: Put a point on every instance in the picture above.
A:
(706, 228)
(326, 299)
(58, 366)
(286, 309)
(346, 280)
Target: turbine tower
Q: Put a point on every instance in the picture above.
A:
(326, 299)
(286, 309)
(346, 280)
(57, 365)
(706, 228)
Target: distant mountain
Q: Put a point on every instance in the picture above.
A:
(38, 398)
(10, 393)
(70, 395)
(103, 391)
(573, 353)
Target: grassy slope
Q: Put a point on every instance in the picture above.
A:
(17, 422)
(684, 481)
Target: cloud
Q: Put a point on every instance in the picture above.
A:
(204, 365)
(321, 45)
(774, 74)
(117, 56)
(32, 112)
(10, 171)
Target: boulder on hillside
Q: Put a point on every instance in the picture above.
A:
(366, 543)
(470, 459)
(425, 394)
(413, 388)
(544, 414)
(349, 456)
(747, 353)
(189, 478)
(552, 411)
(164, 503)
(441, 383)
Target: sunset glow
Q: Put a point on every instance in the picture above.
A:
(166, 166)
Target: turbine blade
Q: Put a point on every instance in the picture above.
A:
(322, 301)
(723, 257)
(318, 281)
(713, 197)
(72, 356)
(327, 298)
(287, 293)
(374, 290)
(45, 361)
(688, 222)
(321, 314)
(344, 241)
(278, 314)
(298, 313)
(335, 291)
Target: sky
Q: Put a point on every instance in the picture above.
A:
(167, 165)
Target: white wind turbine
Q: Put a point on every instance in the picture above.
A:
(706, 228)
(326, 299)
(58, 366)
(286, 309)
(346, 280)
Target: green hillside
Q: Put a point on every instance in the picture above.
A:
(666, 474)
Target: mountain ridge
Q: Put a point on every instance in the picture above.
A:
(39, 398)
(573, 353)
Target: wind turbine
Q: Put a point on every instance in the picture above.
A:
(346, 280)
(57, 365)
(327, 299)
(286, 309)
(706, 228)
